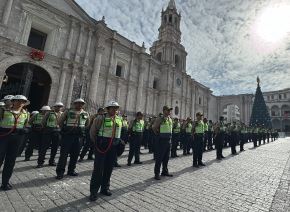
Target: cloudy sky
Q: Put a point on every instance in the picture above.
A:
(229, 42)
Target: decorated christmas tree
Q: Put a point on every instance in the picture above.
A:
(260, 115)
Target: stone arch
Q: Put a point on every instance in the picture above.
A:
(286, 125)
(54, 75)
(275, 111)
(285, 111)
(276, 123)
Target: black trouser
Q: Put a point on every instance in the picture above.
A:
(205, 138)
(197, 148)
(175, 140)
(233, 142)
(187, 144)
(24, 142)
(162, 155)
(209, 140)
(88, 146)
(151, 141)
(103, 166)
(243, 141)
(255, 139)
(50, 138)
(219, 144)
(145, 139)
(259, 138)
(264, 138)
(135, 144)
(268, 137)
(9, 147)
(34, 142)
(70, 145)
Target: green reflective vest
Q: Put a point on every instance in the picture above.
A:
(222, 127)
(199, 127)
(125, 124)
(188, 128)
(106, 129)
(205, 127)
(176, 128)
(9, 120)
(51, 120)
(138, 126)
(38, 119)
(76, 120)
(166, 126)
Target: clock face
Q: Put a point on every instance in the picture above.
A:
(178, 82)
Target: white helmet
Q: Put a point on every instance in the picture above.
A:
(79, 101)
(45, 108)
(58, 104)
(21, 97)
(113, 104)
(8, 97)
(34, 112)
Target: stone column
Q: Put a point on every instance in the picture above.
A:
(139, 90)
(95, 74)
(114, 41)
(128, 78)
(71, 86)
(86, 62)
(70, 39)
(118, 90)
(61, 83)
(79, 45)
(26, 28)
(6, 12)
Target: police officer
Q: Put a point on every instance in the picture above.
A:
(125, 128)
(219, 134)
(234, 137)
(243, 139)
(106, 133)
(36, 132)
(175, 137)
(73, 123)
(12, 126)
(188, 137)
(51, 135)
(136, 133)
(198, 134)
(89, 145)
(7, 101)
(205, 139)
(162, 128)
(255, 134)
(210, 134)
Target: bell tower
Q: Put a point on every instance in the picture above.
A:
(168, 49)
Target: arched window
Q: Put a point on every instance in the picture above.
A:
(165, 19)
(176, 111)
(177, 61)
(159, 56)
(170, 18)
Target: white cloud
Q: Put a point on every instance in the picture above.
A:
(223, 51)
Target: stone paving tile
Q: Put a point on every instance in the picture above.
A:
(254, 180)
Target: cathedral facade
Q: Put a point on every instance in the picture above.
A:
(83, 57)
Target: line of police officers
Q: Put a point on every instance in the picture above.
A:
(105, 133)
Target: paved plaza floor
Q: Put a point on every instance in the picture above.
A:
(254, 180)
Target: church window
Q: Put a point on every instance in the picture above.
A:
(165, 19)
(176, 110)
(155, 84)
(177, 61)
(170, 18)
(199, 100)
(37, 39)
(159, 56)
(119, 70)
